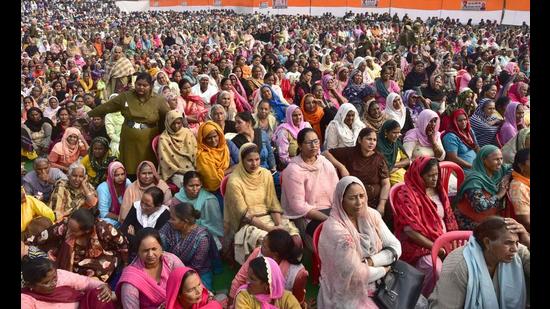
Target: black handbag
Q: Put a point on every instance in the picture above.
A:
(401, 286)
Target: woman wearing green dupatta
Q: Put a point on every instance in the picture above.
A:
(392, 149)
(484, 190)
(203, 201)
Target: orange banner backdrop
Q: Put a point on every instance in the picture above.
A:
(417, 5)
(518, 5)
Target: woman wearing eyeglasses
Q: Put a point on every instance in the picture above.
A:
(308, 183)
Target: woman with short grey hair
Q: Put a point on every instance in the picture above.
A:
(74, 193)
(218, 114)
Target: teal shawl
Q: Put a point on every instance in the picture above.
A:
(211, 217)
(388, 149)
(197, 203)
(477, 178)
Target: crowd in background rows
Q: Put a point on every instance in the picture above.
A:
(164, 139)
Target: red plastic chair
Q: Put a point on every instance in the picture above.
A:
(393, 193)
(448, 241)
(316, 261)
(448, 168)
(154, 145)
(223, 184)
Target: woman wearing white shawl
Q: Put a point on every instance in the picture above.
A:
(326, 64)
(360, 64)
(343, 130)
(161, 80)
(52, 106)
(350, 249)
(395, 109)
(210, 91)
(357, 62)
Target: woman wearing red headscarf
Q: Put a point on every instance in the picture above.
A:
(423, 213)
(518, 93)
(459, 141)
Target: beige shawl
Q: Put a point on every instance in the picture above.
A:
(177, 150)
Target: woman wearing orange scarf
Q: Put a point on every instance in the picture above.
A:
(212, 155)
(519, 193)
(313, 114)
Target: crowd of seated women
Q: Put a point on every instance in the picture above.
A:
(148, 177)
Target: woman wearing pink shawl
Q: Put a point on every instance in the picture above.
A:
(513, 122)
(512, 68)
(239, 88)
(350, 249)
(238, 101)
(68, 150)
(143, 283)
(184, 289)
(342, 78)
(157, 42)
(506, 79)
(265, 288)
(79, 61)
(518, 93)
(331, 92)
(286, 135)
(308, 186)
(425, 139)
(194, 109)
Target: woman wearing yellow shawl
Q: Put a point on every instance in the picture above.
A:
(177, 149)
(212, 155)
(251, 207)
(35, 215)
